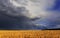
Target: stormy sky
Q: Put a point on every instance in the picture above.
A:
(29, 14)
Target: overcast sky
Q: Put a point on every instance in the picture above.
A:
(48, 12)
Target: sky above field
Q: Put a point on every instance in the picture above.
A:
(47, 11)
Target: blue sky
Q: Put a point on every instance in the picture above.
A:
(52, 21)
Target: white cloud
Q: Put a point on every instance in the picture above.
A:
(35, 9)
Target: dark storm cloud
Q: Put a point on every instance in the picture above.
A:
(22, 23)
(8, 20)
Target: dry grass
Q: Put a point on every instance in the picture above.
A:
(30, 34)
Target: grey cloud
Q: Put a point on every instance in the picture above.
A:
(9, 22)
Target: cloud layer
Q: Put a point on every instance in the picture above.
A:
(48, 13)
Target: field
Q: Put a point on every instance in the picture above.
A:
(30, 34)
